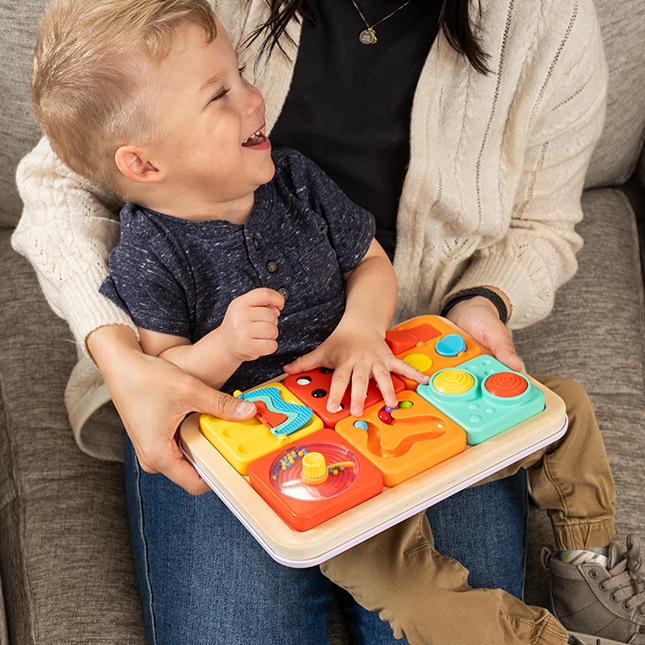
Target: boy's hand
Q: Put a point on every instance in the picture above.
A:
(250, 326)
(356, 353)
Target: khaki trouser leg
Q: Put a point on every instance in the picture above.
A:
(571, 478)
(425, 596)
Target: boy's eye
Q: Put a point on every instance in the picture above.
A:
(223, 92)
(242, 69)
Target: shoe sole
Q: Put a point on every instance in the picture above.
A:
(594, 640)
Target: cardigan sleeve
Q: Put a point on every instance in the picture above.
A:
(67, 229)
(537, 254)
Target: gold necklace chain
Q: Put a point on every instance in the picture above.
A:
(368, 35)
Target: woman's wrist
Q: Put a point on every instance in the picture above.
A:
(496, 297)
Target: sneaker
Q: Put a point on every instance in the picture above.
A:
(598, 605)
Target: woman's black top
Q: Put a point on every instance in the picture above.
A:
(349, 104)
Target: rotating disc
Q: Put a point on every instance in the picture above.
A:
(287, 477)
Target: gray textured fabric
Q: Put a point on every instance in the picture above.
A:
(595, 335)
(18, 130)
(65, 554)
(622, 25)
(4, 634)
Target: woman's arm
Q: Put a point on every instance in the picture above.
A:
(67, 230)
(152, 397)
(563, 115)
(68, 227)
(538, 253)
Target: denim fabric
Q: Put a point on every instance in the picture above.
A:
(205, 580)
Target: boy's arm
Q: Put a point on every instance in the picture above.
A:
(248, 331)
(356, 349)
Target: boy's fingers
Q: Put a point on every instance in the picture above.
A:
(405, 369)
(384, 380)
(263, 297)
(339, 383)
(309, 361)
(360, 381)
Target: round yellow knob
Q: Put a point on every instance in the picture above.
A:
(453, 382)
(314, 468)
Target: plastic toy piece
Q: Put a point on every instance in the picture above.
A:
(451, 345)
(272, 410)
(312, 389)
(348, 479)
(483, 396)
(453, 381)
(430, 352)
(241, 442)
(403, 339)
(417, 437)
(268, 418)
(314, 469)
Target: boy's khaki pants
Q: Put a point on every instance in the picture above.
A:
(425, 596)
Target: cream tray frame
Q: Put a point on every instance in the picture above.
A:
(304, 549)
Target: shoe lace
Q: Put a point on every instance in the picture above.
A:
(626, 580)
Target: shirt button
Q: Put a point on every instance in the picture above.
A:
(272, 266)
(284, 293)
(255, 244)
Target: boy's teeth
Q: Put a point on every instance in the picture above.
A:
(253, 137)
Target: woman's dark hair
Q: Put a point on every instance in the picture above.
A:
(454, 20)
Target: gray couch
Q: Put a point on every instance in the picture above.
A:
(65, 563)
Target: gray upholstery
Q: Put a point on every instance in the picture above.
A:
(65, 561)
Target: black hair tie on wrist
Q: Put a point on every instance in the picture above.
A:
(467, 294)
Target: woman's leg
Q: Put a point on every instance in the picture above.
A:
(205, 580)
(484, 528)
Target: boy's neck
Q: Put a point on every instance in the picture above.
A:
(182, 207)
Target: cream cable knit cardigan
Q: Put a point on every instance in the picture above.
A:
(491, 196)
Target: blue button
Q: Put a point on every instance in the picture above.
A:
(451, 345)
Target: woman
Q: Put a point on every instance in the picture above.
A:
(470, 151)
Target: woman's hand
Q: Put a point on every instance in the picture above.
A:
(356, 353)
(152, 397)
(479, 318)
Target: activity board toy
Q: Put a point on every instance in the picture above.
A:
(309, 484)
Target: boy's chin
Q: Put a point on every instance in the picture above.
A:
(270, 172)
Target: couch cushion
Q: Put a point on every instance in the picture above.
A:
(623, 32)
(596, 336)
(65, 553)
(18, 130)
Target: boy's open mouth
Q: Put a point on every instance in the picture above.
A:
(255, 139)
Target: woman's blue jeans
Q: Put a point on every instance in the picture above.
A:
(205, 580)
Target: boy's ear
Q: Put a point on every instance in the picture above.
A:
(133, 163)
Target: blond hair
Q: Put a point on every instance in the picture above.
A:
(87, 86)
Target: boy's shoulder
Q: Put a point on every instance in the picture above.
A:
(294, 171)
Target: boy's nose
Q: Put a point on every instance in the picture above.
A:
(253, 100)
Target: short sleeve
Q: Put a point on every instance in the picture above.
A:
(145, 280)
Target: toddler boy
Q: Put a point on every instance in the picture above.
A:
(224, 240)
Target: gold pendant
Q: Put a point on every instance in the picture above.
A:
(367, 37)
